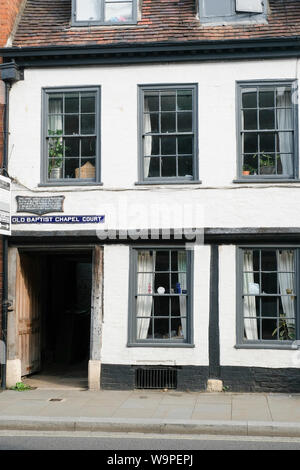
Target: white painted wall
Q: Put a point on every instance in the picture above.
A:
(115, 328)
(227, 299)
(220, 202)
(216, 203)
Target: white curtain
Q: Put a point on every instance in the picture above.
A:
(146, 265)
(285, 121)
(147, 139)
(88, 10)
(55, 111)
(285, 261)
(249, 301)
(182, 281)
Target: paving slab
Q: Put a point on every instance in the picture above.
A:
(251, 408)
(214, 411)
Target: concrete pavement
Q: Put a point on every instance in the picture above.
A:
(151, 412)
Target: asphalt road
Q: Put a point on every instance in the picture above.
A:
(107, 442)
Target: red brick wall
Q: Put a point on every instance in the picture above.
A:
(8, 14)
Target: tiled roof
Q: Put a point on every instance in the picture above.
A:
(47, 23)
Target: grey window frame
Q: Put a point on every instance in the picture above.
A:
(45, 180)
(132, 336)
(242, 343)
(74, 22)
(167, 180)
(236, 17)
(240, 85)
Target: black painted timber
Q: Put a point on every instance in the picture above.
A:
(214, 333)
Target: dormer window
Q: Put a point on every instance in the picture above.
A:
(233, 11)
(103, 12)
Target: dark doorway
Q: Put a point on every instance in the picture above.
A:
(65, 320)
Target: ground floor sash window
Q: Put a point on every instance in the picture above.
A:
(269, 294)
(162, 296)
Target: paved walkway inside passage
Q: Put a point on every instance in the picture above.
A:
(182, 410)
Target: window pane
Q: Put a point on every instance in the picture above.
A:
(162, 280)
(151, 145)
(71, 165)
(250, 120)
(251, 284)
(184, 100)
(71, 124)
(151, 167)
(250, 143)
(285, 119)
(269, 329)
(269, 307)
(267, 142)
(185, 167)
(249, 98)
(266, 99)
(185, 122)
(88, 103)
(168, 145)
(56, 104)
(285, 164)
(177, 331)
(267, 164)
(87, 169)
(161, 328)
(285, 142)
(145, 283)
(162, 261)
(118, 12)
(283, 97)
(88, 124)
(144, 330)
(151, 123)
(72, 147)
(168, 166)
(267, 119)
(88, 147)
(268, 260)
(250, 166)
(88, 10)
(185, 145)
(168, 122)
(269, 283)
(179, 261)
(168, 101)
(161, 306)
(178, 283)
(175, 306)
(72, 103)
(151, 101)
(251, 329)
(216, 8)
(55, 124)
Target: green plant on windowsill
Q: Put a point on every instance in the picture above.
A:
(267, 164)
(56, 151)
(286, 331)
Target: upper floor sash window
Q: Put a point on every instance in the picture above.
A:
(86, 12)
(267, 124)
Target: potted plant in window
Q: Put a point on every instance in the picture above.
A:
(267, 166)
(56, 149)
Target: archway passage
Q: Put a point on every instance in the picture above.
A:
(54, 316)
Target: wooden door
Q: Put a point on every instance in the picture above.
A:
(28, 305)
